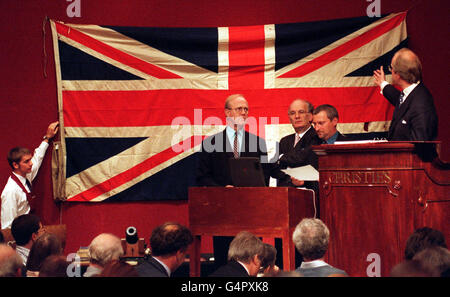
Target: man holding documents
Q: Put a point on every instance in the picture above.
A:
(295, 149)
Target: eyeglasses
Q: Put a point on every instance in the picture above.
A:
(239, 109)
(302, 112)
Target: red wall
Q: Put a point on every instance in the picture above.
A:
(29, 100)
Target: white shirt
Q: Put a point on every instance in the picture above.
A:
(14, 200)
(23, 252)
(313, 264)
(406, 91)
(303, 133)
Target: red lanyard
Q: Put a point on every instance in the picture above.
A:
(30, 196)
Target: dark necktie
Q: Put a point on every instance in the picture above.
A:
(235, 145)
(29, 185)
(402, 98)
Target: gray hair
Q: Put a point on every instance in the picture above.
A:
(10, 261)
(105, 248)
(244, 247)
(311, 238)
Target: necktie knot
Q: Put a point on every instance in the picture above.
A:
(402, 98)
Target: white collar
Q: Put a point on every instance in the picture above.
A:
(164, 265)
(303, 133)
(408, 90)
(244, 267)
(22, 179)
(313, 264)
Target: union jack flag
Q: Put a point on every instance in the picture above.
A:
(121, 88)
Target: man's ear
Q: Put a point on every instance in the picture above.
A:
(335, 121)
(15, 165)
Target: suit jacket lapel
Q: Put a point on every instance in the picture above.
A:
(400, 111)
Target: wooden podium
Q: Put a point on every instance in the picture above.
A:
(374, 195)
(266, 212)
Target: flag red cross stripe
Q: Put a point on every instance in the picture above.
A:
(346, 48)
(113, 53)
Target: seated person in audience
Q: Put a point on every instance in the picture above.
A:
(311, 238)
(421, 239)
(46, 245)
(410, 268)
(244, 257)
(25, 230)
(117, 268)
(54, 266)
(325, 120)
(169, 243)
(103, 249)
(11, 264)
(268, 261)
(436, 259)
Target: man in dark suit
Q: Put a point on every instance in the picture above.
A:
(169, 243)
(325, 120)
(295, 149)
(415, 116)
(234, 142)
(244, 257)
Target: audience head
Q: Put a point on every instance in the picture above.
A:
(421, 239)
(117, 268)
(435, 259)
(300, 115)
(169, 242)
(311, 238)
(248, 249)
(410, 268)
(10, 262)
(54, 266)
(268, 259)
(105, 248)
(26, 228)
(169, 238)
(47, 244)
(325, 120)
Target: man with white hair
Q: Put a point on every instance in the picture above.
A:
(311, 238)
(10, 262)
(103, 249)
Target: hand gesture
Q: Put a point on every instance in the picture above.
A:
(378, 76)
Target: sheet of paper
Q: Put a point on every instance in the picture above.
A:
(303, 173)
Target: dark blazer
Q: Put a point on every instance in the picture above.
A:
(231, 269)
(300, 155)
(416, 118)
(151, 268)
(213, 168)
